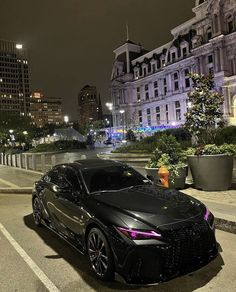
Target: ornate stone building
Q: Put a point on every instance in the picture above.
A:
(152, 86)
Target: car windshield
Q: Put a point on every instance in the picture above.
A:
(112, 178)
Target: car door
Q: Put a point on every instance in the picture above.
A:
(52, 195)
(69, 208)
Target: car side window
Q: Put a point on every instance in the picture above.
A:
(56, 176)
(72, 178)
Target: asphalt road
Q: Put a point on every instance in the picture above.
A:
(35, 258)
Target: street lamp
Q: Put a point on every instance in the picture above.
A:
(109, 105)
(123, 123)
(66, 119)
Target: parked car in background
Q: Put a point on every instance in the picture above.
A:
(123, 222)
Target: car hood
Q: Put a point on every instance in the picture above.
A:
(151, 205)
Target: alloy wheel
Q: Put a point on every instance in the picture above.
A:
(98, 253)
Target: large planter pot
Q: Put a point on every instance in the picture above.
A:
(178, 182)
(211, 172)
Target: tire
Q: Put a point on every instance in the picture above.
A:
(100, 255)
(37, 212)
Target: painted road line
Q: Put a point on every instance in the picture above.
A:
(8, 183)
(33, 266)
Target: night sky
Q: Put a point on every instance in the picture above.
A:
(71, 42)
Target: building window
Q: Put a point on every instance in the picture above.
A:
(146, 92)
(216, 23)
(163, 63)
(155, 85)
(144, 71)
(173, 56)
(140, 71)
(158, 115)
(138, 93)
(177, 111)
(187, 78)
(210, 64)
(176, 82)
(167, 114)
(156, 93)
(230, 24)
(149, 122)
(149, 67)
(140, 117)
(184, 52)
(136, 74)
(153, 68)
(165, 86)
(209, 33)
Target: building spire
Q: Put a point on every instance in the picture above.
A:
(127, 31)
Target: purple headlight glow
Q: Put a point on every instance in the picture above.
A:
(206, 214)
(138, 234)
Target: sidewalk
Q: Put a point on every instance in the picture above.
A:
(221, 204)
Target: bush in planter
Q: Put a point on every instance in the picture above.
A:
(167, 144)
(212, 149)
(211, 166)
(169, 154)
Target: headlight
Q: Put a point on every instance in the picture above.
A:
(136, 234)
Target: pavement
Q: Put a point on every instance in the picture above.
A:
(34, 259)
(222, 204)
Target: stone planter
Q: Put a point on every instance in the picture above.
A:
(179, 181)
(211, 172)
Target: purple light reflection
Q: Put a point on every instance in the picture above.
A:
(206, 214)
(134, 233)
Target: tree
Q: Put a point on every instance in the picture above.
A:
(205, 112)
(130, 136)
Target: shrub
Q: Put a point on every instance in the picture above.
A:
(225, 135)
(59, 145)
(212, 149)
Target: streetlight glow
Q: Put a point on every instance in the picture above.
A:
(66, 119)
(19, 46)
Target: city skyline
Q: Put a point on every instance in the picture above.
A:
(72, 45)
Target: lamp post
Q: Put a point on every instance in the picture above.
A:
(66, 119)
(109, 105)
(123, 123)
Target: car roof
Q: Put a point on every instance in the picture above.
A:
(94, 163)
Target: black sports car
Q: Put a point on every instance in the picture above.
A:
(123, 222)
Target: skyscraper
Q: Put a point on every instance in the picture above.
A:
(45, 110)
(14, 78)
(89, 105)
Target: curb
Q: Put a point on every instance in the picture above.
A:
(16, 191)
(225, 225)
(220, 223)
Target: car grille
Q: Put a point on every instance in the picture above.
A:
(189, 246)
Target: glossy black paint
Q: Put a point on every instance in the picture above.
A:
(188, 241)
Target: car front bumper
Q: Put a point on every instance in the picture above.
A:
(153, 263)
